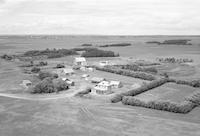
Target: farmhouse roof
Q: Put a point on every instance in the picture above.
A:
(80, 59)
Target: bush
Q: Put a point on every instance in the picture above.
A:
(194, 98)
(60, 66)
(144, 88)
(49, 85)
(84, 92)
(94, 52)
(45, 86)
(193, 83)
(135, 67)
(35, 70)
(7, 57)
(60, 85)
(42, 63)
(184, 107)
(43, 75)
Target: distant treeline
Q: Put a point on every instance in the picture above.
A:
(94, 52)
(50, 53)
(86, 44)
(58, 53)
(176, 42)
(174, 60)
(116, 45)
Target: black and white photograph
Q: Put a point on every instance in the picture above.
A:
(99, 67)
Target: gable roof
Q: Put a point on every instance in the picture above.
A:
(80, 59)
(68, 70)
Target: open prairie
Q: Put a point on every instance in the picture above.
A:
(22, 113)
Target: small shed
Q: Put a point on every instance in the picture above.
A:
(68, 71)
(80, 61)
(104, 63)
(68, 81)
(97, 79)
(85, 75)
(116, 84)
(90, 69)
(26, 83)
(103, 87)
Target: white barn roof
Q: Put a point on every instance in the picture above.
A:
(80, 59)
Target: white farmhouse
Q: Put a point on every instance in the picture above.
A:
(103, 87)
(68, 71)
(80, 61)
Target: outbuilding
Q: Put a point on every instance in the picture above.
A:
(26, 83)
(80, 61)
(68, 81)
(68, 71)
(97, 79)
(116, 84)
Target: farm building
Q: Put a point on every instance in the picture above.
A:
(116, 84)
(104, 63)
(26, 83)
(68, 71)
(85, 75)
(80, 61)
(97, 79)
(103, 87)
(68, 81)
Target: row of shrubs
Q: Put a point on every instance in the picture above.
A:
(183, 107)
(174, 60)
(194, 97)
(116, 45)
(31, 64)
(50, 53)
(124, 72)
(193, 83)
(94, 52)
(176, 41)
(142, 89)
(135, 67)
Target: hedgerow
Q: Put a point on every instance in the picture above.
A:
(193, 83)
(183, 107)
(144, 88)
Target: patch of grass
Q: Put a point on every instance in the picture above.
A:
(124, 72)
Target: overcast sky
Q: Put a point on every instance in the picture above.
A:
(112, 17)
